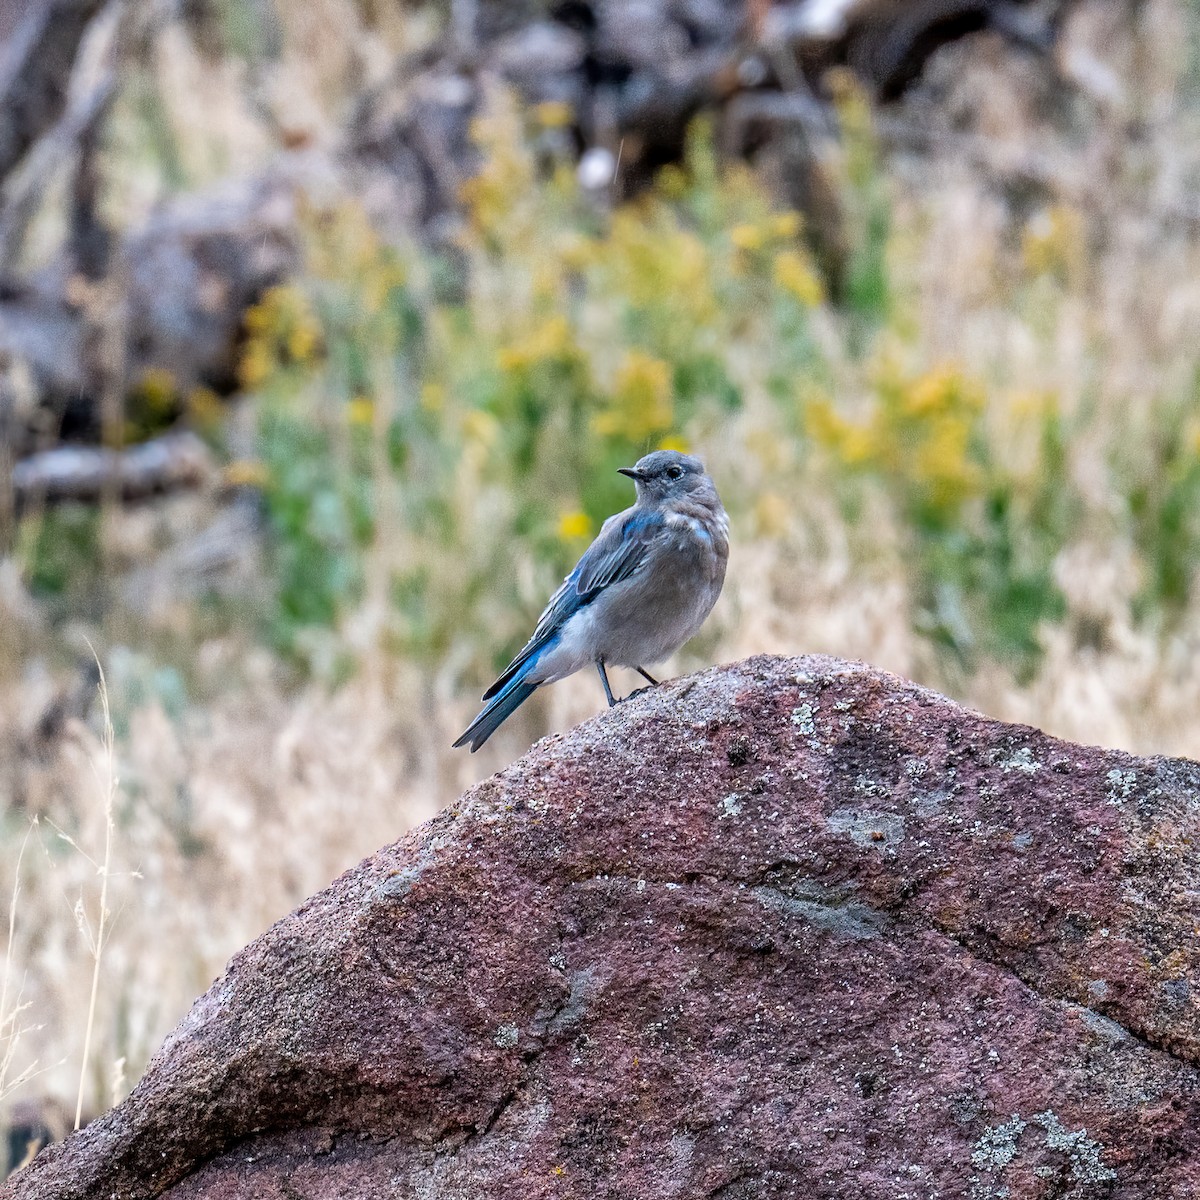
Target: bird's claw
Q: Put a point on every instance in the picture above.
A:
(636, 692)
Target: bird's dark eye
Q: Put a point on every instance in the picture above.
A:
(674, 472)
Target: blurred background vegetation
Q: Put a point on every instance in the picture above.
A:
(324, 327)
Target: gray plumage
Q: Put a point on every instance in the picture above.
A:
(641, 590)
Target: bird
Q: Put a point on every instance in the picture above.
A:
(641, 589)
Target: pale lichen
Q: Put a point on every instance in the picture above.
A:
(997, 1146)
(731, 806)
(802, 718)
(1000, 1144)
(1021, 760)
(1086, 1164)
(1120, 785)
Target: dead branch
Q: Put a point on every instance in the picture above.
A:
(35, 71)
(87, 473)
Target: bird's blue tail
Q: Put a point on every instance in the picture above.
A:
(496, 712)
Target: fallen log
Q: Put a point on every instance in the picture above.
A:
(89, 474)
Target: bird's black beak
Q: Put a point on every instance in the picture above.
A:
(632, 472)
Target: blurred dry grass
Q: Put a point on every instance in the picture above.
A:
(243, 789)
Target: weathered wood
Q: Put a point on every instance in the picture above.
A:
(188, 276)
(88, 473)
(35, 70)
(632, 72)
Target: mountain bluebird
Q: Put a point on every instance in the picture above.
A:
(642, 588)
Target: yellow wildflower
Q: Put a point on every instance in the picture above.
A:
(941, 464)
(853, 444)
(379, 282)
(156, 390)
(674, 443)
(793, 274)
(550, 340)
(574, 525)
(508, 175)
(554, 114)
(641, 404)
(654, 262)
(1032, 404)
(942, 389)
(480, 428)
(246, 472)
(204, 406)
(433, 397)
(255, 364)
(262, 316)
(575, 251)
(302, 341)
(785, 224)
(747, 237)
(361, 411)
(672, 181)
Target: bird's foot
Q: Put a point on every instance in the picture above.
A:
(635, 692)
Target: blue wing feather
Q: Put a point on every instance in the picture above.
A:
(616, 554)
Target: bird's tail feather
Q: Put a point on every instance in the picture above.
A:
(494, 714)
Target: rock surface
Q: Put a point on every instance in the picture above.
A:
(789, 928)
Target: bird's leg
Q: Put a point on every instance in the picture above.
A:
(645, 675)
(604, 680)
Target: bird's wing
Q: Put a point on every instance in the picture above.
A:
(619, 550)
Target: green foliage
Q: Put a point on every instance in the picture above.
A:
(440, 422)
(984, 532)
(867, 215)
(60, 552)
(1164, 503)
(439, 432)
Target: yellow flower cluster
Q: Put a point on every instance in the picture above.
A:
(574, 526)
(281, 329)
(361, 412)
(653, 261)
(757, 235)
(554, 114)
(508, 176)
(920, 433)
(550, 341)
(156, 390)
(854, 444)
(341, 245)
(641, 404)
(204, 407)
(795, 275)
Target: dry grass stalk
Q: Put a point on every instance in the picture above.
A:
(95, 940)
(10, 1031)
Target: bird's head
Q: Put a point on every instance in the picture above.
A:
(667, 475)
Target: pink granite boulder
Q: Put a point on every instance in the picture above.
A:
(788, 928)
